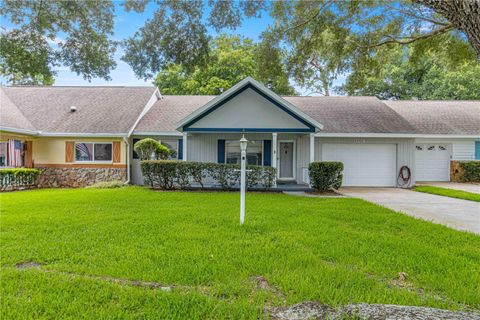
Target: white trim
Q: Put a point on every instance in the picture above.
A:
(83, 135)
(184, 147)
(93, 155)
(156, 94)
(158, 133)
(395, 135)
(240, 85)
(294, 162)
(312, 148)
(19, 131)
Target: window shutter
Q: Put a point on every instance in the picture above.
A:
(180, 149)
(28, 154)
(477, 150)
(267, 152)
(134, 154)
(116, 152)
(69, 151)
(221, 151)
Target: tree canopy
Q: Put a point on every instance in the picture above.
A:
(231, 59)
(48, 33)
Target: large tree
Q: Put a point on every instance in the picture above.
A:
(231, 59)
(48, 33)
(178, 31)
(420, 72)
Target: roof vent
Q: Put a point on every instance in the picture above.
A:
(73, 109)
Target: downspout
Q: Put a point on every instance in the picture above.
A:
(125, 139)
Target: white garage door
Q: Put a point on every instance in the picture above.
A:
(432, 162)
(364, 164)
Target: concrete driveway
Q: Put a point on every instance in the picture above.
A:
(455, 213)
(469, 187)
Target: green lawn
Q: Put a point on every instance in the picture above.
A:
(335, 251)
(449, 193)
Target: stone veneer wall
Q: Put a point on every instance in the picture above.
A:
(52, 177)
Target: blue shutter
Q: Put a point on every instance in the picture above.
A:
(135, 155)
(267, 152)
(221, 151)
(180, 149)
(477, 150)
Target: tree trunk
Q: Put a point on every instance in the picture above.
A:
(463, 14)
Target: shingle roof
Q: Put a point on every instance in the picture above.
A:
(337, 114)
(99, 109)
(440, 117)
(352, 114)
(10, 115)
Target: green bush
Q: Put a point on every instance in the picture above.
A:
(325, 175)
(471, 171)
(150, 149)
(17, 178)
(170, 174)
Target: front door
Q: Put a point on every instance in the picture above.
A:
(286, 160)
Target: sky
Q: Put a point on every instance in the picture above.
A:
(126, 24)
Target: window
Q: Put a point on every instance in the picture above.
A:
(254, 152)
(90, 151)
(430, 148)
(3, 154)
(419, 148)
(172, 145)
(442, 148)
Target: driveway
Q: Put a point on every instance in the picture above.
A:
(455, 213)
(469, 187)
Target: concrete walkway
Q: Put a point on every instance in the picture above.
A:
(469, 187)
(455, 213)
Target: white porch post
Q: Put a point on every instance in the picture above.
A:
(184, 146)
(274, 154)
(312, 147)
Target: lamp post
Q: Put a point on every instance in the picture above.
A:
(243, 169)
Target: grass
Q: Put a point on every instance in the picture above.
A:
(449, 193)
(335, 251)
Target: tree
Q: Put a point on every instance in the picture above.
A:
(50, 33)
(421, 72)
(231, 59)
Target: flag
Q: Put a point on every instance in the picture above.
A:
(15, 148)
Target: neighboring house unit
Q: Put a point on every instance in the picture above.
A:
(80, 135)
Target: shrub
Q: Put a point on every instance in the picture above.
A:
(150, 149)
(471, 171)
(325, 175)
(168, 174)
(108, 184)
(17, 178)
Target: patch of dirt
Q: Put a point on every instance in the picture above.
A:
(28, 265)
(401, 281)
(303, 310)
(316, 310)
(263, 284)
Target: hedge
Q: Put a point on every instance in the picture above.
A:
(325, 175)
(471, 171)
(172, 174)
(18, 178)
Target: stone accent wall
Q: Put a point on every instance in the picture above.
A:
(456, 171)
(53, 177)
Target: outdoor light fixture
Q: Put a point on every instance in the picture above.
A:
(243, 169)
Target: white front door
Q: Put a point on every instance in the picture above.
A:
(286, 160)
(432, 162)
(372, 165)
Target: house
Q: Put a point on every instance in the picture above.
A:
(80, 135)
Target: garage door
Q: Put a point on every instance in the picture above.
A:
(432, 162)
(364, 164)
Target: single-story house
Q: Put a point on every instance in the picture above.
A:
(81, 135)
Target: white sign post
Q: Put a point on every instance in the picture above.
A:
(243, 170)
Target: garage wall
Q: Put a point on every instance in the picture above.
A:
(462, 149)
